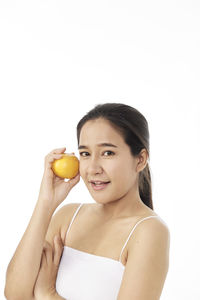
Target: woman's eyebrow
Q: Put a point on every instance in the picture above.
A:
(99, 145)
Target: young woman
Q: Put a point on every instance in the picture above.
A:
(113, 249)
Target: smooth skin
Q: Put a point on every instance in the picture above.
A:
(23, 269)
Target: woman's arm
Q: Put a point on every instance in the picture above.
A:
(24, 266)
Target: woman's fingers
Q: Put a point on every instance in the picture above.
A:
(58, 249)
(50, 255)
(43, 259)
(58, 150)
(48, 252)
(49, 159)
(54, 154)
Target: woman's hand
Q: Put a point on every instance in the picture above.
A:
(53, 189)
(45, 287)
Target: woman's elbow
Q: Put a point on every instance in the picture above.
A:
(11, 292)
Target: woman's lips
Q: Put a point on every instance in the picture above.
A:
(99, 187)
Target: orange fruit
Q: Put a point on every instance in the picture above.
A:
(66, 167)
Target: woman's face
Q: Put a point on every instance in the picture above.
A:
(99, 162)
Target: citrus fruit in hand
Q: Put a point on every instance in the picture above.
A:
(66, 167)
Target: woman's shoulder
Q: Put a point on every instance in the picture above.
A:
(66, 212)
(151, 225)
(61, 220)
(155, 224)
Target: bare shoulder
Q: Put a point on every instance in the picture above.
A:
(66, 210)
(152, 223)
(60, 221)
(152, 228)
(152, 232)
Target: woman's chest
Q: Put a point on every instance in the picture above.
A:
(98, 238)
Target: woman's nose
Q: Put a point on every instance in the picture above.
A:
(94, 166)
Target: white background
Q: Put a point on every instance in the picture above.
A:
(58, 59)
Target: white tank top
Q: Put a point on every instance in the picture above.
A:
(84, 276)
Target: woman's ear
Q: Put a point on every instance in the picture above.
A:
(142, 160)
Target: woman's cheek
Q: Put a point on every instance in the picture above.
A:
(81, 167)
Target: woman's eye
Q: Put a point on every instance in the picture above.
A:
(81, 153)
(111, 153)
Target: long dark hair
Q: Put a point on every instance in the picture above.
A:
(134, 128)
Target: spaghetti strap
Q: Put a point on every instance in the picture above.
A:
(133, 230)
(73, 219)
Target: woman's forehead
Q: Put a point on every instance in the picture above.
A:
(100, 131)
